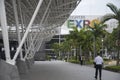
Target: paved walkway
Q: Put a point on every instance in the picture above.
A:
(59, 70)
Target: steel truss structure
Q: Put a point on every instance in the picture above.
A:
(30, 22)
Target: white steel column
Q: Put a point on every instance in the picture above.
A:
(4, 30)
(21, 15)
(22, 24)
(32, 47)
(47, 16)
(59, 39)
(27, 30)
(17, 25)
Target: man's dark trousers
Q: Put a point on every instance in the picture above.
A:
(98, 68)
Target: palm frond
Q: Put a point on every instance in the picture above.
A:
(119, 14)
(103, 26)
(107, 17)
(113, 8)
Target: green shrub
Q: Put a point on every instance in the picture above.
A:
(113, 68)
(48, 57)
(74, 61)
(73, 58)
(89, 62)
(106, 59)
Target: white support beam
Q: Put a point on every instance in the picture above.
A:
(47, 16)
(27, 30)
(36, 42)
(21, 16)
(39, 45)
(39, 39)
(30, 46)
(3, 21)
(17, 25)
(45, 12)
(40, 25)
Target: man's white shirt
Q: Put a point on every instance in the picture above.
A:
(98, 60)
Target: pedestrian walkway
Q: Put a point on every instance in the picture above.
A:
(59, 70)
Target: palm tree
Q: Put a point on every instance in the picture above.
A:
(81, 40)
(98, 30)
(56, 48)
(66, 48)
(86, 42)
(74, 38)
(115, 15)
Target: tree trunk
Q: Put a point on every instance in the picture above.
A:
(94, 46)
(118, 58)
(76, 52)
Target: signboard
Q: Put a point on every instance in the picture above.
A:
(81, 21)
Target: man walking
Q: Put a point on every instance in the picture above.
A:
(81, 60)
(98, 65)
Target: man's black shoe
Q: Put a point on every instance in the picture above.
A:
(96, 78)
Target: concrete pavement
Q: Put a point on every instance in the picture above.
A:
(59, 70)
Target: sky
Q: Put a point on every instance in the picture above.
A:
(92, 7)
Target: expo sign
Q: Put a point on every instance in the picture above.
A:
(80, 23)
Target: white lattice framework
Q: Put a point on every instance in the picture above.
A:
(30, 22)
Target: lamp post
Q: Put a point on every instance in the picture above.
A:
(102, 47)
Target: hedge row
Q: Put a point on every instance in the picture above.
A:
(113, 68)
